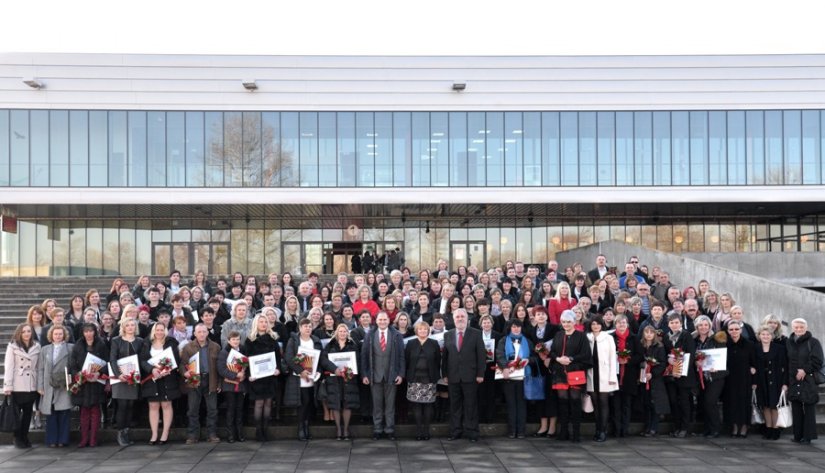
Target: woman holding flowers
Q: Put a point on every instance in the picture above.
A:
(652, 387)
(234, 385)
(128, 390)
(513, 353)
(262, 340)
(157, 358)
(602, 378)
(711, 383)
(300, 388)
(630, 356)
(341, 383)
(678, 343)
(736, 402)
(90, 394)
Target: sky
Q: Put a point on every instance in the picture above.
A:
(420, 27)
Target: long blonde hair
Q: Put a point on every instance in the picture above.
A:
(253, 333)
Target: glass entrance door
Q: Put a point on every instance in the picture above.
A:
(467, 253)
(301, 259)
(212, 258)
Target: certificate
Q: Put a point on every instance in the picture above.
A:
(233, 355)
(346, 359)
(408, 339)
(166, 353)
(310, 363)
(93, 364)
(716, 359)
(685, 364)
(262, 366)
(194, 364)
(126, 365)
(490, 347)
(516, 375)
(438, 337)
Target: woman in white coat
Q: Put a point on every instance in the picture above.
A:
(55, 401)
(602, 378)
(20, 380)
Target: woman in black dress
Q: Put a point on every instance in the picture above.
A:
(423, 370)
(770, 380)
(164, 386)
(261, 340)
(653, 391)
(679, 387)
(736, 401)
(124, 345)
(342, 394)
(712, 383)
(570, 352)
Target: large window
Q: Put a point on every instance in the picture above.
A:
(78, 148)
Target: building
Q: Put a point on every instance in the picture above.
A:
(137, 164)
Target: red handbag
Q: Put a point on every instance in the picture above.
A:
(574, 378)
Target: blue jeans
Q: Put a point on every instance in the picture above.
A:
(57, 427)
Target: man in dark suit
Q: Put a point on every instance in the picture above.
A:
(382, 360)
(600, 270)
(463, 362)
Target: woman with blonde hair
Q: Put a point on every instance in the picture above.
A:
(51, 385)
(774, 323)
(292, 314)
(262, 340)
(560, 302)
(165, 385)
(342, 394)
(126, 344)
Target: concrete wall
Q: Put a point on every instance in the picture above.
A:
(757, 296)
(795, 269)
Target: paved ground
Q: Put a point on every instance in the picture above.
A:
(491, 455)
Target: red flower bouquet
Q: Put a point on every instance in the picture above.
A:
(541, 350)
(624, 356)
(133, 378)
(700, 361)
(193, 381)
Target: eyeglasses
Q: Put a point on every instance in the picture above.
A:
(734, 330)
(635, 262)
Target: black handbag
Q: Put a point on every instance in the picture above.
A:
(9, 416)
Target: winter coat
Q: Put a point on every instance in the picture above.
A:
(121, 349)
(20, 368)
(804, 353)
(657, 390)
(90, 394)
(233, 324)
(574, 346)
(48, 368)
(717, 340)
(292, 391)
(629, 383)
(212, 353)
(686, 344)
(608, 366)
(264, 388)
(340, 393)
(736, 398)
(227, 374)
(171, 382)
(771, 374)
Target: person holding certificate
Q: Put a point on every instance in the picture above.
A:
(512, 351)
(300, 386)
(262, 340)
(156, 357)
(630, 356)
(199, 361)
(127, 391)
(341, 381)
(679, 345)
(89, 396)
(711, 383)
(487, 389)
(234, 386)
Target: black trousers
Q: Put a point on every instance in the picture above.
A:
(234, 411)
(570, 410)
(464, 409)
(679, 405)
(804, 420)
(423, 412)
(621, 407)
(516, 407)
(124, 413)
(307, 408)
(709, 402)
(486, 400)
(24, 401)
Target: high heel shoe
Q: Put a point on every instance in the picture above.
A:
(540, 434)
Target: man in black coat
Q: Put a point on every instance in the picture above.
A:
(463, 362)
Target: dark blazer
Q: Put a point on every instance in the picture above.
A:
(573, 346)
(429, 350)
(396, 347)
(593, 274)
(468, 364)
(120, 348)
(292, 391)
(686, 343)
(90, 394)
(630, 383)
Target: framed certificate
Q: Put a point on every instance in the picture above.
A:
(311, 357)
(490, 348)
(345, 360)
(233, 355)
(716, 359)
(93, 364)
(262, 366)
(126, 365)
(166, 353)
(194, 364)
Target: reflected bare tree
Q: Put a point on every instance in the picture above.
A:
(251, 152)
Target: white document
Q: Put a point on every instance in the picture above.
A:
(194, 364)
(716, 359)
(490, 347)
(92, 360)
(408, 339)
(685, 364)
(345, 360)
(126, 365)
(439, 337)
(314, 356)
(516, 375)
(262, 366)
(233, 355)
(166, 353)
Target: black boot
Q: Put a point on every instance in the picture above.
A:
(302, 433)
(575, 437)
(306, 430)
(259, 431)
(239, 436)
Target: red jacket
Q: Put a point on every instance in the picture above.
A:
(371, 306)
(556, 307)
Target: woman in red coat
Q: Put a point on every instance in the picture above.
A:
(365, 302)
(559, 303)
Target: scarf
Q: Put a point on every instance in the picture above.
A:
(622, 339)
(524, 349)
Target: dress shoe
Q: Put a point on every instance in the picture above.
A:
(804, 441)
(425, 438)
(376, 436)
(511, 435)
(453, 437)
(540, 434)
(391, 437)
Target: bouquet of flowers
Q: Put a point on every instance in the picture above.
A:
(77, 382)
(624, 356)
(238, 364)
(541, 350)
(346, 373)
(650, 362)
(193, 381)
(700, 359)
(490, 355)
(675, 369)
(517, 364)
(165, 364)
(303, 360)
(133, 378)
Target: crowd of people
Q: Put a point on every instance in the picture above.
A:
(442, 345)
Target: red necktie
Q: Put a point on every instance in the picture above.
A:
(460, 340)
(383, 342)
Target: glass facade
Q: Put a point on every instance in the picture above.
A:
(115, 243)
(79, 148)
